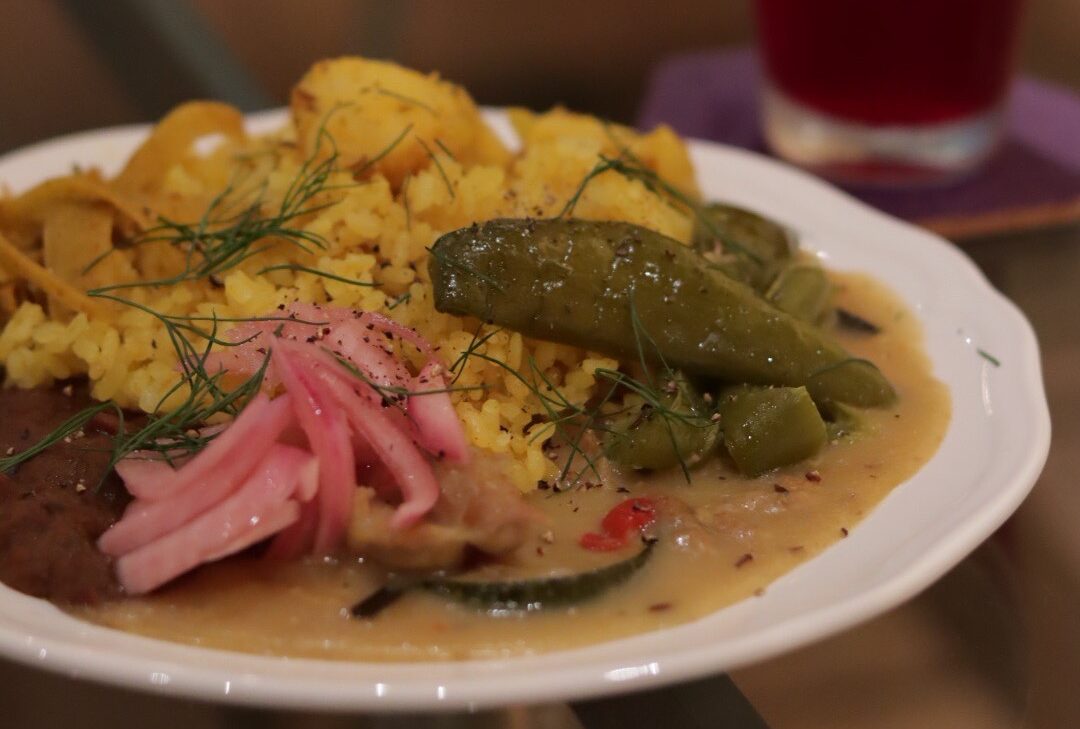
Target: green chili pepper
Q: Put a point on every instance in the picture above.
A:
(744, 245)
(606, 286)
(675, 431)
(768, 427)
(851, 381)
(802, 290)
(842, 421)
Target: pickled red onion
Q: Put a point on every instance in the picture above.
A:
(381, 421)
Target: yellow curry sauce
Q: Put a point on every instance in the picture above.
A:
(743, 534)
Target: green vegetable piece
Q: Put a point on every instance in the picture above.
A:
(765, 428)
(802, 290)
(852, 322)
(603, 285)
(744, 245)
(842, 421)
(677, 432)
(851, 382)
(539, 593)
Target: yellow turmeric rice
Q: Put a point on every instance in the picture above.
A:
(409, 158)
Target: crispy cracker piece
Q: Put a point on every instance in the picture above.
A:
(172, 138)
(55, 287)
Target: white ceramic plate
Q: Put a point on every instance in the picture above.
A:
(993, 451)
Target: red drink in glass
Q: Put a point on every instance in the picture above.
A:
(886, 89)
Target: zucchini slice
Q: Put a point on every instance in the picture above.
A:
(536, 594)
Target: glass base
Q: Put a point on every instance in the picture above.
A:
(878, 155)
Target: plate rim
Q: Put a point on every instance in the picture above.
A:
(565, 678)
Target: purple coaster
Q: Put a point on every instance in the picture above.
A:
(714, 96)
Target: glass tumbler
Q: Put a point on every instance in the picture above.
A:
(886, 91)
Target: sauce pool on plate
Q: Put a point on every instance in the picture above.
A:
(727, 539)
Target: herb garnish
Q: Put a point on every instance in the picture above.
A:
(398, 300)
(438, 165)
(569, 422)
(72, 425)
(407, 99)
(218, 241)
(396, 395)
(445, 149)
(632, 167)
(222, 239)
(368, 164)
(313, 271)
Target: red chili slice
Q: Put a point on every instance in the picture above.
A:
(626, 517)
(601, 542)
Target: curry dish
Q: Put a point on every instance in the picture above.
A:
(418, 396)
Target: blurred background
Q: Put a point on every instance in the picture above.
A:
(995, 644)
(67, 65)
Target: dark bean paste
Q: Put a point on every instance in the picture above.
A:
(55, 506)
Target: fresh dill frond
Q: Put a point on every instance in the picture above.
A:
(560, 411)
(569, 421)
(591, 423)
(571, 437)
(477, 341)
(234, 227)
(657, 185)
(398, 300)
(222, 248)
(406, 99)
(988, 357)
(632, 167)
(72, 425)
(459, 266)
(173, 433)
(395, 395)
(445, 149)
(176, 433)
(658, 406)
(598, 169)
(649, 392)
(314, 271)
(175, 323)
(438, 166)
(228, 232)
(366, 165)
